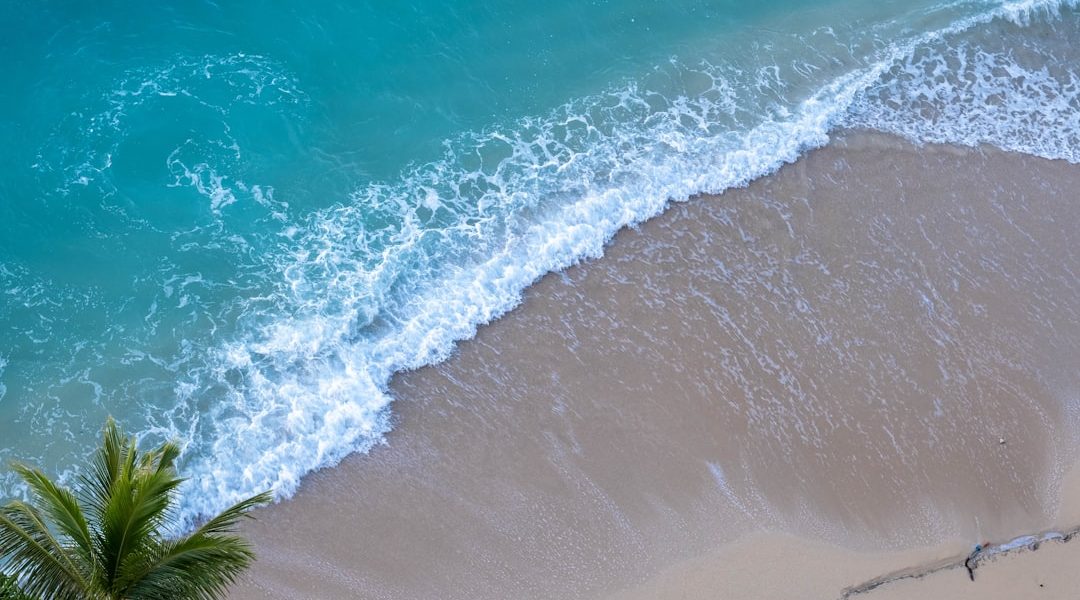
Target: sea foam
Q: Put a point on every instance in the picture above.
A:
(1002, 88)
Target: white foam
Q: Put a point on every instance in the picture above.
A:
(80, 152)
(206, 181)
(1018, 96)
(3, 388)
(461, 238)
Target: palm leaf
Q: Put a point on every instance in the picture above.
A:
(43, 565)
(198, 566)
(9, 589)
(106, 540)
(62, 509)
(208, 559)
(137, 509)
(104, 469)
(226, 521)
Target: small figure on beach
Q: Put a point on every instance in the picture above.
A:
(970, 562)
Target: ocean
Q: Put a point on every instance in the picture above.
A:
(231, 225)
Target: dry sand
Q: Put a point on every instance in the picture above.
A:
(778, 566)
(1048, 573)
(765, 565)
(778, 392)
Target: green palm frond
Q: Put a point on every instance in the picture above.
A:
(42, 562)
(106, 540)
(62, 508)
(104, 469)
(9, 589)
(197, 566)
(136, 511)
(226, 521)
(212, 551)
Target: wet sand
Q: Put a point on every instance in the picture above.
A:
(868, 360)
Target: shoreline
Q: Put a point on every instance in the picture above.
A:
(751, 366)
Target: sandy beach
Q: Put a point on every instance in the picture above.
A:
(863, 363)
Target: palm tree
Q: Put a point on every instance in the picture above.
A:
(106, 540)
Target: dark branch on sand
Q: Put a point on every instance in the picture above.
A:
(968, 562)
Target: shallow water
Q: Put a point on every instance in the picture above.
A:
(232, 225)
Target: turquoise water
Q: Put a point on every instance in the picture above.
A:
(231, 224)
